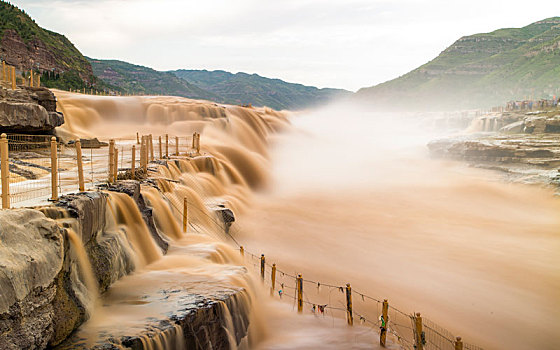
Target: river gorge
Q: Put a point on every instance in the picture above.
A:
(340, 194)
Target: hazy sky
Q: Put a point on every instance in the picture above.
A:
(326, 43)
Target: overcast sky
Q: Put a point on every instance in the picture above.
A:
(326, 43)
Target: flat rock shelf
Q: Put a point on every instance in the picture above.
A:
(192, 314)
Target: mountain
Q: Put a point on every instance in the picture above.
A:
(480, 70)
(243, 88)
(134, 79)
(26, 45)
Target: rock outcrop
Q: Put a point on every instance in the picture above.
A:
(132, 188)
(213, 317)
(29, 111)
(44, 296)
(32, 251)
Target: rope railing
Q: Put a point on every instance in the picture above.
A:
(30, 174)
(29, 177)
(401, 325)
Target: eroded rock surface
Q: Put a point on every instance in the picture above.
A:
(32, 255)
(29, 111)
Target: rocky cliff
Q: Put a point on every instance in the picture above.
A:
(481, 70)
(28, 111)
(25, 45)
(44, 295)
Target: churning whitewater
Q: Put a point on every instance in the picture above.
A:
(327, 195)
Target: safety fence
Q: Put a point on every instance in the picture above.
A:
(35, 168)
(409, 330)
(14, 77)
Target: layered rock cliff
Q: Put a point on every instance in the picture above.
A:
(481, 70)
(28, 111)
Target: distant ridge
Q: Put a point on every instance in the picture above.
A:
(135, 79)
(243, 88)
(25, 45)
(480, 70)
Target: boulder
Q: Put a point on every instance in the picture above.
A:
(29, 111)
(90, 143)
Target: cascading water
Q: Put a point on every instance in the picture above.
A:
(348, 204)
(235, 160)
(85, 269)
(127, 214)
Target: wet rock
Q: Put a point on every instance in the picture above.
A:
(31, 247)
(497, 149)
(514, 128)
(132, 188)
(90, 143)
(206, 317)
(106, 249)
(225, 214)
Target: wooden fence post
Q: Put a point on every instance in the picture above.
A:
(38, 80)
(151, 148)
(81, 185)
(166, 146)
(160, 149)
(4, 71)
(13, 78)
(194, 140)
(384, 323)
(116, 167)
(273, 279)
(242, 251)
(5, 170)
(185, 214)
(54, 169)
(349, 314)
(299, 286)
(137, 139)
(142, 146)
(145, 154)
(263, 264)
(31, 78)
(133, 165)
(111, 160)
(142, 153)
(197, 143)
(459, 344)
(419, 335)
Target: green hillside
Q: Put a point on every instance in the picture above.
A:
(480, 70)
(136, 79)
(26, 45)
(243, 88)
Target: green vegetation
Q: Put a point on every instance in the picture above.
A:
(69, 63)
(480, 70)
(26, 45)
(134, 79)
(243, 88)
(218, 86)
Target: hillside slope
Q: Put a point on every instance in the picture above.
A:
(480, 70)
(135, 79)
(243, 88)
(26, 45)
